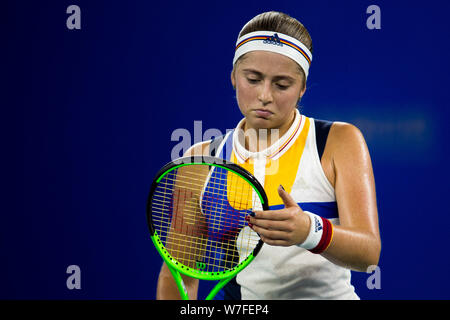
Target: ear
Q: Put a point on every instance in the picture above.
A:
(302, 92)
(233, 79)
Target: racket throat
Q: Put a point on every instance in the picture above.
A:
(180, 283)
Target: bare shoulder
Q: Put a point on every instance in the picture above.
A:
(344, 148)
(348, 148)
(345, 138)
(345, 133)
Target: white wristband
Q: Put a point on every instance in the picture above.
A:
(315, 232)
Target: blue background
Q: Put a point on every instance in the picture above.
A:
(87, 118)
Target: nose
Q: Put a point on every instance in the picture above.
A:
(265, 93)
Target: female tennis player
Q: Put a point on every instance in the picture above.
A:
(323, 219)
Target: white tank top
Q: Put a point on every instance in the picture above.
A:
(290, 272)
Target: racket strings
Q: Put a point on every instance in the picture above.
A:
(200, 217)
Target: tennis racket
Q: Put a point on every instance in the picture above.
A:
(196, 213)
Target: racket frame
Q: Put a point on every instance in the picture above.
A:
(174, 266)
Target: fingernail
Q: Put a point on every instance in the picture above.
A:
(282, 187)
(252, 214)
(250, 225)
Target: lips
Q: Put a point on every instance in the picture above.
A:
(263, 113)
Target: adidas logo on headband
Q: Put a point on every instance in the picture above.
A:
(273, 40)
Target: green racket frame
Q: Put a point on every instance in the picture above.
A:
(177, 268)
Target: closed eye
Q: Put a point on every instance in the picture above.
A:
(253, 81)
(282, 87)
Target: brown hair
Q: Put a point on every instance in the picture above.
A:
(282, 23)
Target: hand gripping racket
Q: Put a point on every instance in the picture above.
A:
(196, 213)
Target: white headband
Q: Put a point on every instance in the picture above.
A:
(274, 42)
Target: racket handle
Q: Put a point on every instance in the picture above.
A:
(180, 283)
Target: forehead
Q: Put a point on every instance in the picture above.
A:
(269, 63)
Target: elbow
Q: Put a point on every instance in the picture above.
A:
(370, 259)
(376, 251)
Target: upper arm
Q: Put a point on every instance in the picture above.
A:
(354, 180)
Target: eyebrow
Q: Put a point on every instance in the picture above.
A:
(279, 77)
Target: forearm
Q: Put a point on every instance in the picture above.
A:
(353, 249)
(167, 288)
